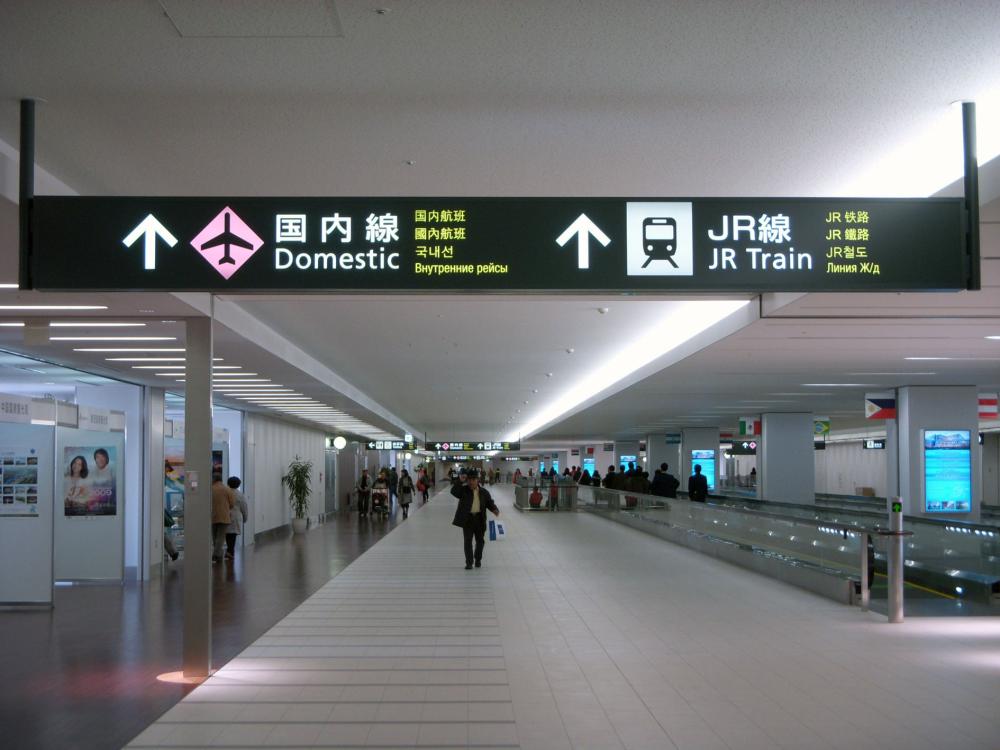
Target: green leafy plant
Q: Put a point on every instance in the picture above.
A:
(298, 481)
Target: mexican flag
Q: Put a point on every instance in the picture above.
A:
(749, 426)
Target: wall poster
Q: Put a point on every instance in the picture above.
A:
(19, 480)
(89, 484)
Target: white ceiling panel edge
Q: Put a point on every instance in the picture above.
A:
(253, 330)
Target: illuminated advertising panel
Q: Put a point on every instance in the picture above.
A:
(705, 459)
(947, 471)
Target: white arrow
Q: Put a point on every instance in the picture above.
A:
(149, 228)
(583, 228)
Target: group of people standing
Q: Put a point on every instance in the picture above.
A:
(630, 478)
(378, 494)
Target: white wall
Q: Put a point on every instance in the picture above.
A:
(845, 466)
(270, 446)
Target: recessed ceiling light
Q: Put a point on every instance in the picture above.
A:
(126, 350)
(53, 307)
(147, 311)
(534, 390)
(570, 350)
(549, 374)
(144, 359)
(838, 385)
(112, 338)
(93, 324)
(993, 338)
(603, 310)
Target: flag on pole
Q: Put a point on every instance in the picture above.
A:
(988, 406)
(821, 425)
(880, 405)
(749, 426)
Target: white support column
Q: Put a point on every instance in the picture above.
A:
(659, 451)
(198, 499)
(153, 477)
(786, 461)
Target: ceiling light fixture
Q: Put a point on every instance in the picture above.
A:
(112, 338)
(126, 350)
(53, 307)
(683, 322)
(144, 359)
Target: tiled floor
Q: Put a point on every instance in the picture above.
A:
(583, 633)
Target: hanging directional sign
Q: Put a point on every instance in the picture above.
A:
(497, 244)
(470, 445)
(392, 445)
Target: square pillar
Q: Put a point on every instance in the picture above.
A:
(786, 460)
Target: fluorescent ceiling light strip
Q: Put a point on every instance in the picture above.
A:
(93, 324)
(112, 338)
(9, 286)
(684, 321)
(144, 359)
(244, 380)
(127, 351)
(53, 307)
(232, 374)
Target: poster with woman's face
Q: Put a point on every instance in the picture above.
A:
(89, 481)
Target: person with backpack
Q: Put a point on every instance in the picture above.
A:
(406, 492)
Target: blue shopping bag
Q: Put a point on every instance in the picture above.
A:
(493, 530)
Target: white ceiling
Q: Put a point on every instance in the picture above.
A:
(490, 98)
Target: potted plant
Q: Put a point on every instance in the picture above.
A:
(298, 481)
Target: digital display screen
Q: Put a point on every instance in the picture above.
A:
(625, 460)
(541, 467)
(705, 459)
(947, 471)
(589, 465)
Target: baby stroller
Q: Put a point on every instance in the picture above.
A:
(380, 501)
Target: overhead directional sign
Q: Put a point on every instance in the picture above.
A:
(498, 244)
(451, 446)
(392, 445)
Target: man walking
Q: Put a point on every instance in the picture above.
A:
(223, 501)
(470, 515)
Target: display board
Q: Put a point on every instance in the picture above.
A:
(498, 244)
(89, 529)
(705, 459)
(173, 475)
(947, 471)
(26, 460)
(589, 465)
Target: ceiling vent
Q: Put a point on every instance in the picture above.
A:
(253, 19)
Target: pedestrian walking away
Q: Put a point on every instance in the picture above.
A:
(238, 516)
(364, 490)
(406, 492)
(470, 516)
(223, 502)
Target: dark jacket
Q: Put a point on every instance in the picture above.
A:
(464, 509)
(664, 484)
(698, 487)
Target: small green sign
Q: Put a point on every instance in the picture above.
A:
(897, 507)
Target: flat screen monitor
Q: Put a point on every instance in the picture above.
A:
(705, 459)
(947, 471)
(555, 465)
(589, 465)
(623, 460)
(541, 467)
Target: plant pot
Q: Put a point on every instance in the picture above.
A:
(299, 525)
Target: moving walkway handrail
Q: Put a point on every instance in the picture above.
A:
(865, 534)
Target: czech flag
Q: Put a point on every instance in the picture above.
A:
(880, 405)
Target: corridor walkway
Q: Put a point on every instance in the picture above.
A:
(586, 634)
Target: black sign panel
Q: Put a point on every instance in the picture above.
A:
(497, 244)
(744, 448)
(470, 445)
(392, 445)
(874, 444)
